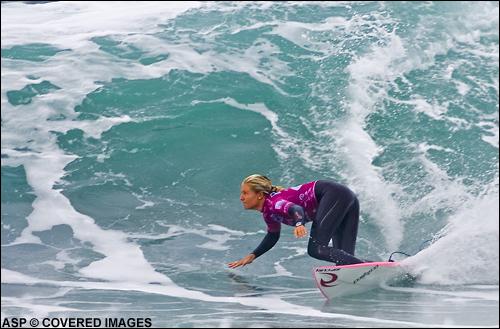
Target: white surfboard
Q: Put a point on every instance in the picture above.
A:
(336, 281)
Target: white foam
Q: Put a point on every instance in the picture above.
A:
(145, 203)
(491, 128)
(44, 166)
(348, 139)
(185, 55)
(360, 149)
(266, 304)
(371, 74)
(217, 241)
(260, 108)
(286, 141)
(75, 72)
(466, 295)
(62, 259)
(33, 303)
(280, 270)
(492, 139)
(285, 145)
(462, 88)
(468, 251)
(447, 192)
(221, 228)
(67, 22)
(298, 32)
(34, 309)
(424, 147)
(484, 53)
(435, 111)
(18, 21)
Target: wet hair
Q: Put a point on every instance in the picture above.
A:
(260, 183)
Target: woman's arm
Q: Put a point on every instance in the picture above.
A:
(267, 243)
(297, 213)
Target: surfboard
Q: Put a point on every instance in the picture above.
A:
(336, 281)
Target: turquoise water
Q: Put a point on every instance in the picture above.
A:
(127, 129)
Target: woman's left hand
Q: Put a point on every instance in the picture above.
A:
(300, 231)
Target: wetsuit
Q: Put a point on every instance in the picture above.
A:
(333, 210)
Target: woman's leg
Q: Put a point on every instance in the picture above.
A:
(348, 230)
(337, 217)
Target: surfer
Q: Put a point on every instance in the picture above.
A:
(332, 208)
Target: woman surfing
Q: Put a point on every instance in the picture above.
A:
(332, 208)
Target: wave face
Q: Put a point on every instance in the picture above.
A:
(127, 129)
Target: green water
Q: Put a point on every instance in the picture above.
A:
(127, 130)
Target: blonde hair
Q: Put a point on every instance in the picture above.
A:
(260, 183)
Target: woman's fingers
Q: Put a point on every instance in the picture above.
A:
(237, 263)
(234, 264)
(300, 231)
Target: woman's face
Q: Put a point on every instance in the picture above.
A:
(249, 198)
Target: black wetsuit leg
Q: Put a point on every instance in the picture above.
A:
(336, 219)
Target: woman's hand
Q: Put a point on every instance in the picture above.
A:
(242, 262)
(300, 231)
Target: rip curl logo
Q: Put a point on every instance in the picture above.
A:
(333, 277)
(301, 197)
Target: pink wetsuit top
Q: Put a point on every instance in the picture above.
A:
(276, 205)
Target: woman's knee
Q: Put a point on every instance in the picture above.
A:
(355, 204)
(316, 250)
(312, 250)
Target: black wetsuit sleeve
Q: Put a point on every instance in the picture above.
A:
(267, 243)
(297, 213)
